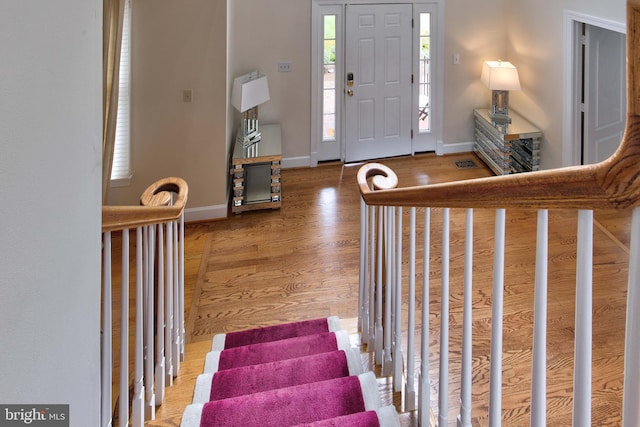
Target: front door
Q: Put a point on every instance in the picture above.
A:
(605, 93)
(378, 62)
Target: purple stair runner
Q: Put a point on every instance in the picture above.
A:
(296, 405)
(273, 351)
(384, 416)
(273, 375)
(275, 333)
(297, 374)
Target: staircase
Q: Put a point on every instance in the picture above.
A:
(303, 373)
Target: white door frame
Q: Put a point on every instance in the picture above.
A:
(437, 45)
(571, 146)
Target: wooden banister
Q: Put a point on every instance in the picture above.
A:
(154, 207)
(613, 183)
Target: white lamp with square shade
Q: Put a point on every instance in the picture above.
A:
(249, 91)
(500, 77)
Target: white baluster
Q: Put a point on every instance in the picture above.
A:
(149, 302)
(497, 308)
(160, 325)
(387, 363)
(631, 394)
(107, 330)
(123, 413)
(181, 287)
(582, 350)
(410, 389)
(539, 367)
(424, 389)
(362, 277)
(397, 350)
(372, 279)
(137, 403)
(464, 418)
(177, 327)
(379, 329)
(168, 328)
(443, 393)
(148, 338)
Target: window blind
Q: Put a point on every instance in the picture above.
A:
(121, 169)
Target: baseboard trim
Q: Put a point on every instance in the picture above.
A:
(441, 149)
(205, 213)
(458, 147)
(296, 162)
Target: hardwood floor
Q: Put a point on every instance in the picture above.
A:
(301, 261)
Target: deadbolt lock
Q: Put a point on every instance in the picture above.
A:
(349, 79)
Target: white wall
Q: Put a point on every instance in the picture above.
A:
(535, 33)
(177, 46)
(263, 34)
(50, 182)
(475, 31)
(527, 33)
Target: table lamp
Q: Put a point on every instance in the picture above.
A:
(500, 77)
(249, 91)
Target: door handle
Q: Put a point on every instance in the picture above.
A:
(350, 92)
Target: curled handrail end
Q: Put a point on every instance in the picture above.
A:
(159, 193)
(155, 206)
(383, 177)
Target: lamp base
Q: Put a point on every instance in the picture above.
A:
(248, 139)
(499, 112)
(500, 118)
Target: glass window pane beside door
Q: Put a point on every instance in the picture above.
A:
(329, 81)
(424, 77)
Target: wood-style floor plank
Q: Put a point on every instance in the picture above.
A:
(301, 261)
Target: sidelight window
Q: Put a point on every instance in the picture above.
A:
(424, 75)
(329, 79)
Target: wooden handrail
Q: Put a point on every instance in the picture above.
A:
(613, 183)
(154, 206)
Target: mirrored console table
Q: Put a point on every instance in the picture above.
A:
(507, 149)
(255, 172)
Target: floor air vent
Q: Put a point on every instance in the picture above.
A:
(465, 164)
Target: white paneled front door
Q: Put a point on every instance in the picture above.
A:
(378, 63)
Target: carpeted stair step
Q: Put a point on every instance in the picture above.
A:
(289, 406)
(272, 375)
(275, 333)
(385, 416)
(296, 374)
(272, 351)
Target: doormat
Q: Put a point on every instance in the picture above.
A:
(465, 164)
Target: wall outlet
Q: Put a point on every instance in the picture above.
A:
(285, 67)
(187, 95)
(456, 58)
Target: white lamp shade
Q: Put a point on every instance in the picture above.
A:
(500, 75)
(249, 90)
